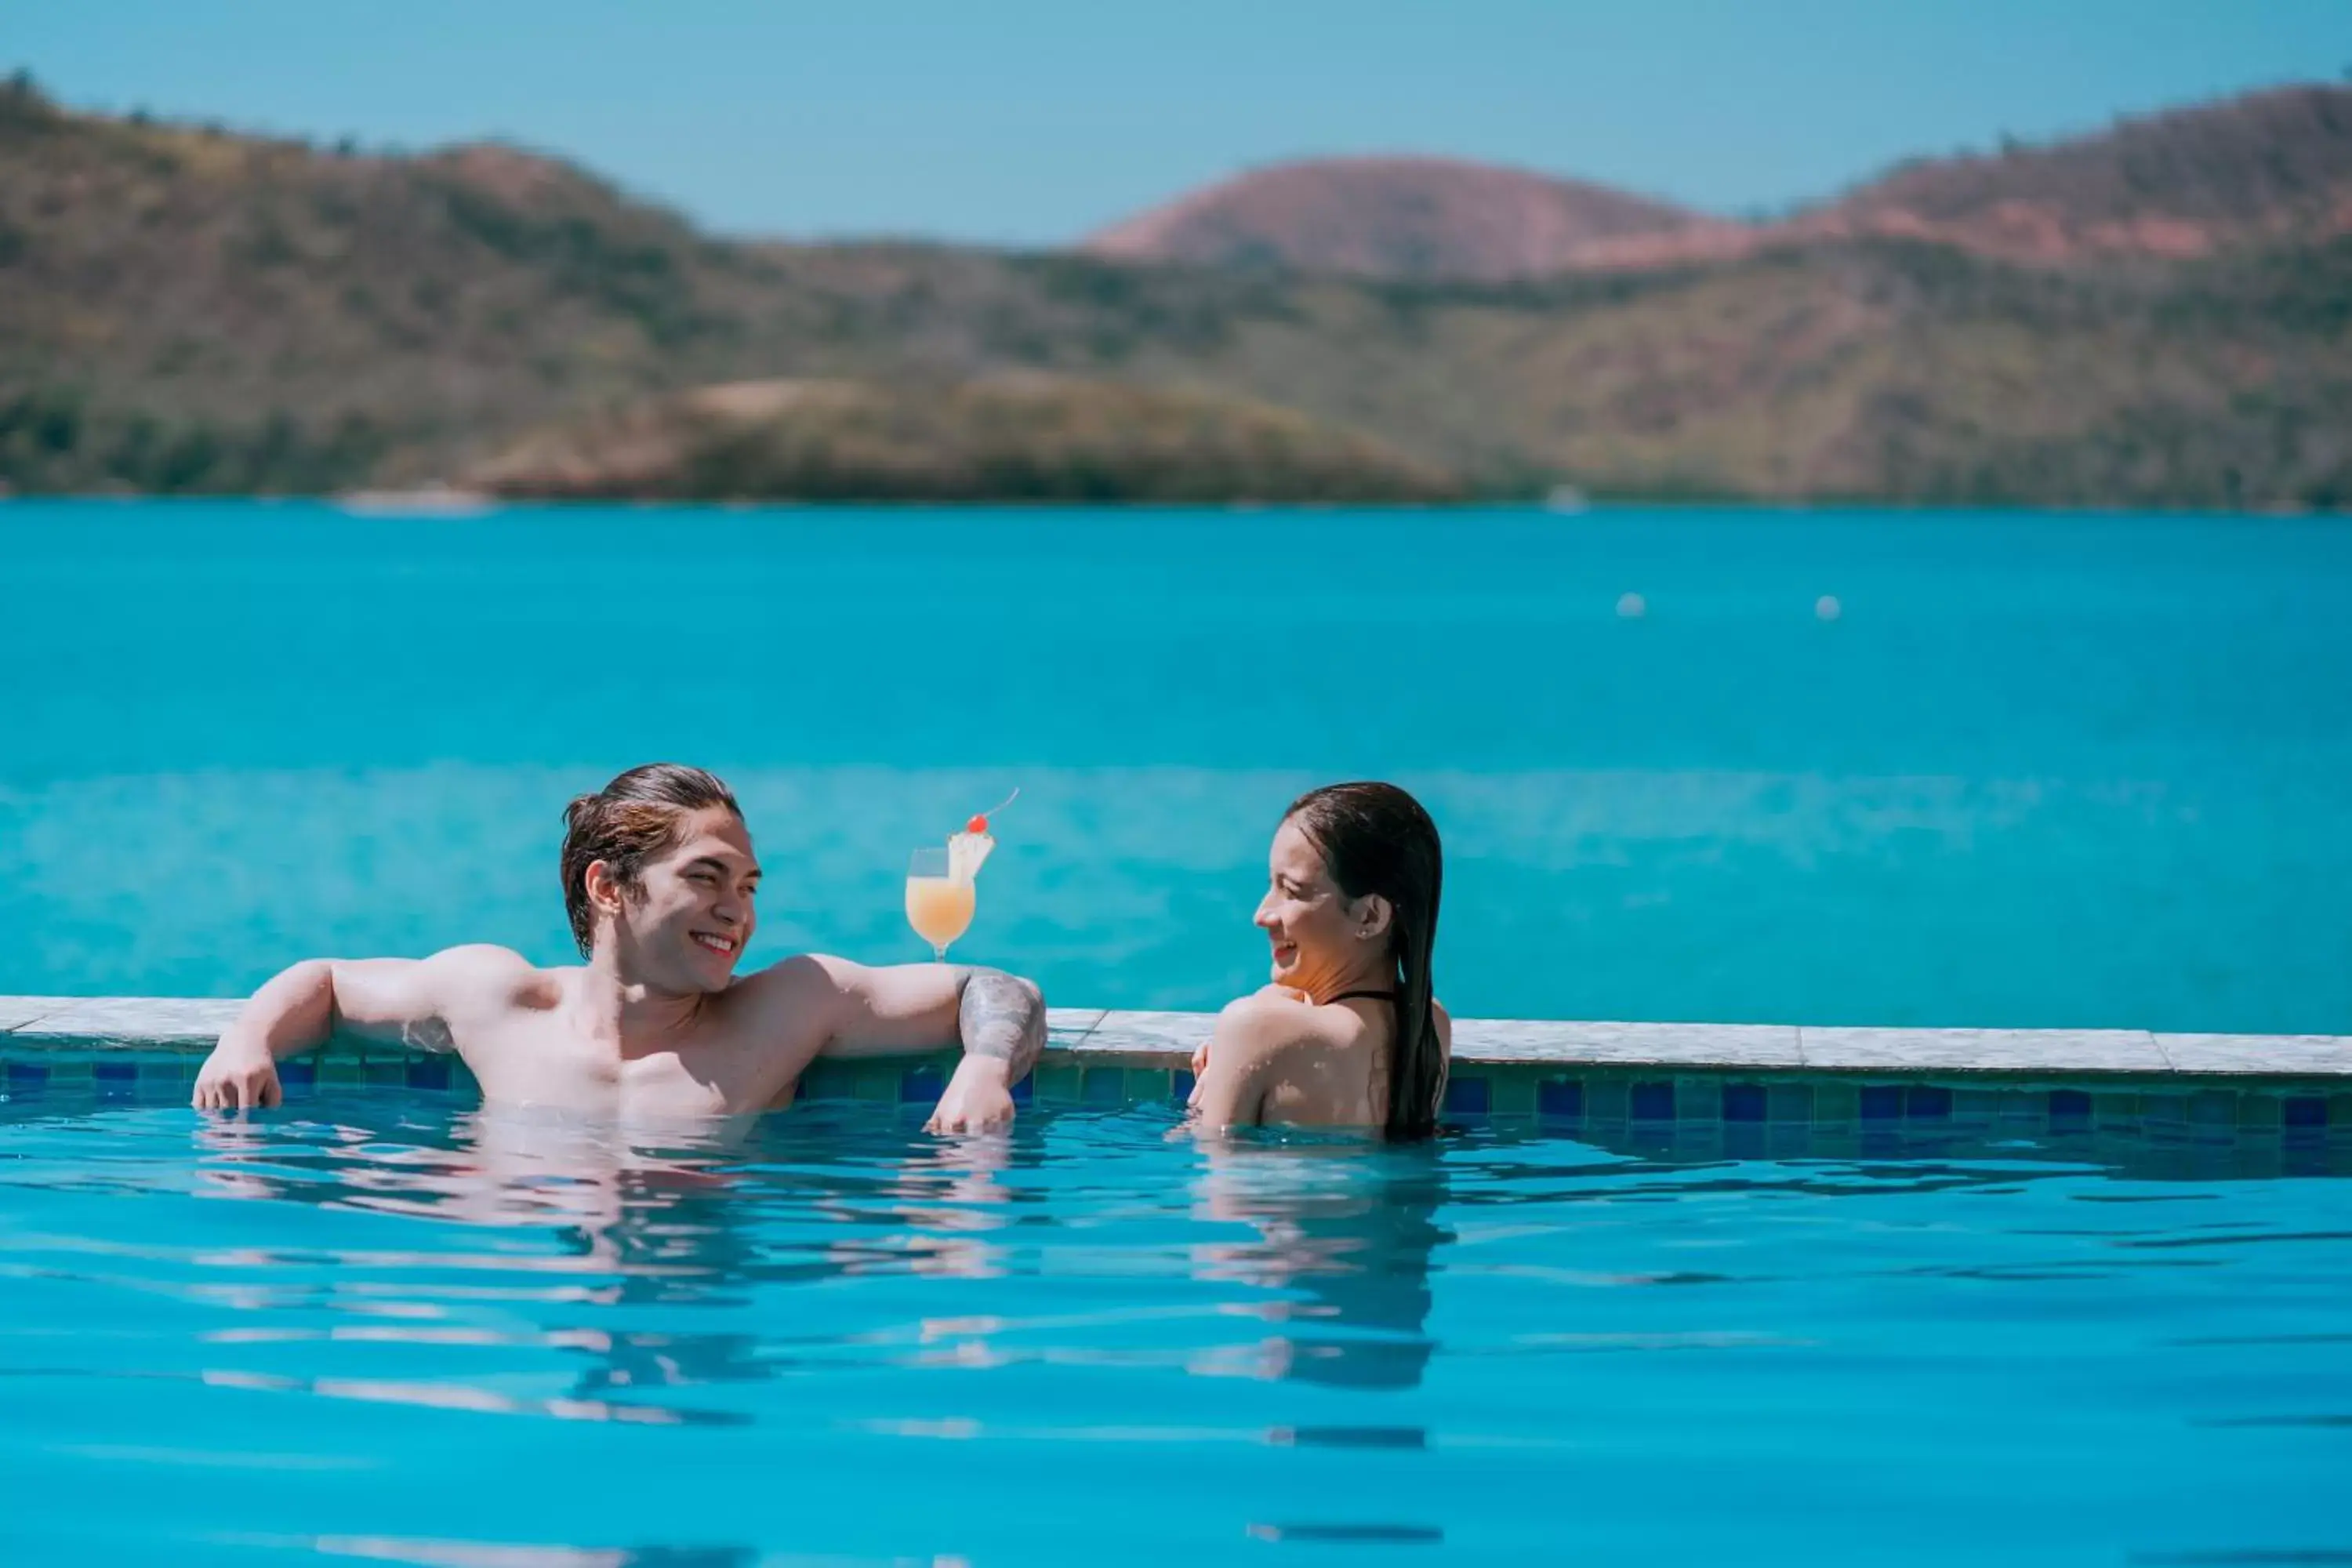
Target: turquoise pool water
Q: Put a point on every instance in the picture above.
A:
(379, 1326)
(2040, 771)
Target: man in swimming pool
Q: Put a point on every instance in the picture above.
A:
(660, 882)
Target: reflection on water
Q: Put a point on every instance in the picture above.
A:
(1346, 1234)
(1337, 1254)
(826, 1336)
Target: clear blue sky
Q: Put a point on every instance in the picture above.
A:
(1031, 121)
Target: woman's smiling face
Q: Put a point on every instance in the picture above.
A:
(1316, 930)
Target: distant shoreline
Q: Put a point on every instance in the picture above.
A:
(390, 505)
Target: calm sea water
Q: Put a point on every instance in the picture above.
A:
(379, 1327)
(2039, 771)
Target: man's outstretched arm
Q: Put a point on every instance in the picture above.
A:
(998, 1019)
(404, 999)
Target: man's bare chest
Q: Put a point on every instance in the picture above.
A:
(544, 1061)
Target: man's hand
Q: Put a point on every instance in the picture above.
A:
(236, 1077)
(978, 1098)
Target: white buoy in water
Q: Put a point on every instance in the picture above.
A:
(1826, 608)
(1630, 608)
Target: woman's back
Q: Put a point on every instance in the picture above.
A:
(1278, 1057)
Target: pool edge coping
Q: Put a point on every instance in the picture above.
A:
(1162, 1039)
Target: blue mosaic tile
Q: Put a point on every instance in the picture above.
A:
(1182, 1085)
(2213, 1108)
(1928, 1102)
(28, 1072)
(1468, 1096)
(431, 1072)
(2304, 1110)
(2070, 1108)
(1103, 1086)
(1565, 1101)
(1881, 1102)
(922, 1086)
(1699, 1100)
(1653, 1102)
(2307, 1156)
(1149, 1085)
(114, 1072)
(1975, 1107)
(1026, 1089)
(823, 1080)
(298, 1072)
(1743, 1102)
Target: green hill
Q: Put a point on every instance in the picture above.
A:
(186, 309)
(1022, 437)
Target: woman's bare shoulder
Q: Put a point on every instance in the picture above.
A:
(1277, 1020)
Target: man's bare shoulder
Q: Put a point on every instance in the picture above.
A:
(797, 978)
(807, 985)
(485, 974)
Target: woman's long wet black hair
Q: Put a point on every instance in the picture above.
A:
(1375, 838)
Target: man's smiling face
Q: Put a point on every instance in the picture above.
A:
(688, 922)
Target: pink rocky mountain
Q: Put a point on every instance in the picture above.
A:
(1394, 217)
(2268, 165)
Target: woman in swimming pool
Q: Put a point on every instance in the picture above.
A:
(1348, 1034)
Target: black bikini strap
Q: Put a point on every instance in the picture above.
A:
(1362, 997)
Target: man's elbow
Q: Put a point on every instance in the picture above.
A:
(1004, 987)
(307, 974)
(1003, 1016)
(298, 986)
(1033, 1008)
